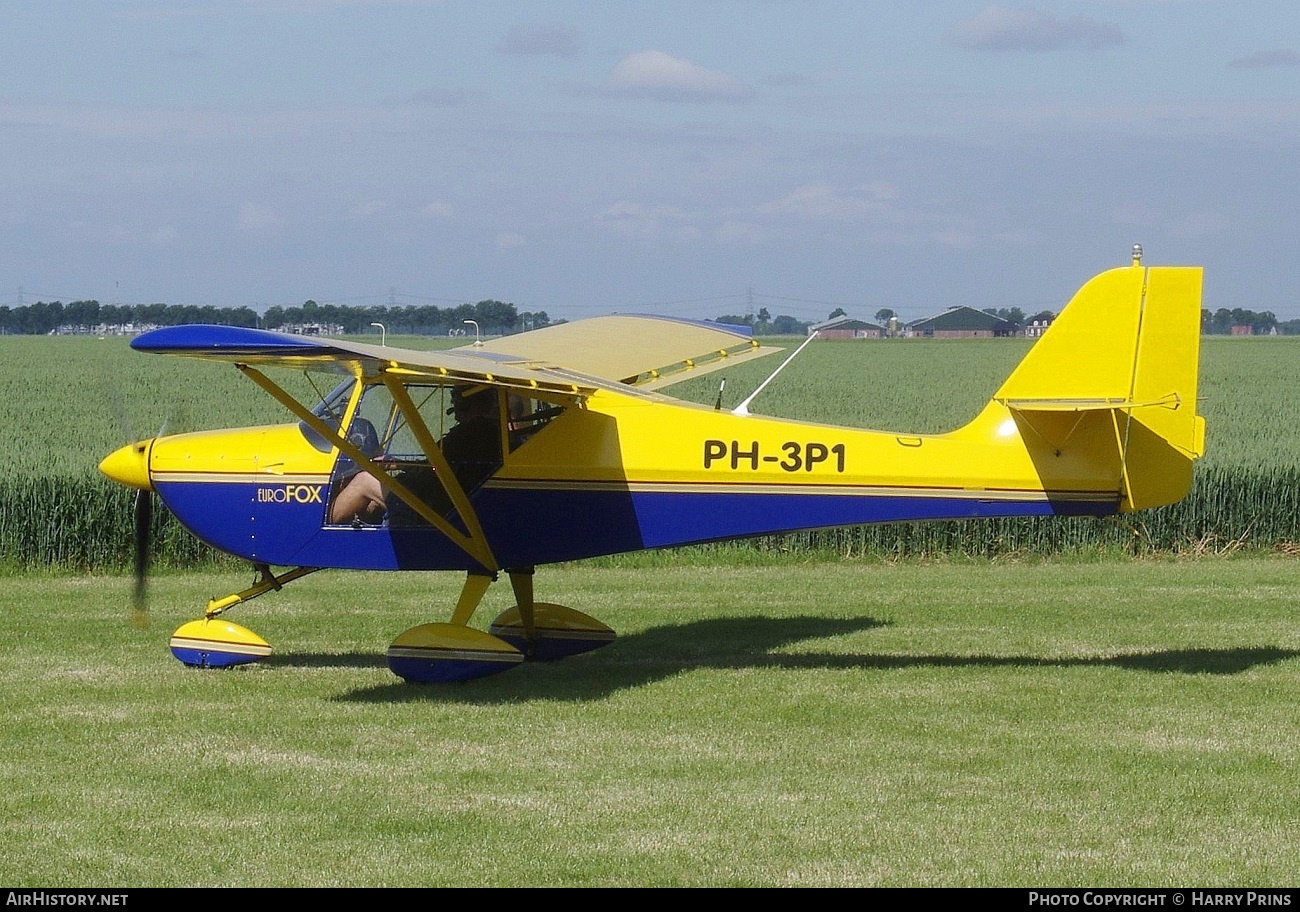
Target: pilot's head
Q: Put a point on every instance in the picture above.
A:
(470, 403)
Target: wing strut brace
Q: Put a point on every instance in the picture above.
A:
(474, 544)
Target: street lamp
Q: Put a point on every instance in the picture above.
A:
(383, 333)
(477, 338)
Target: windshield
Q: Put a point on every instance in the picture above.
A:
(331, 408)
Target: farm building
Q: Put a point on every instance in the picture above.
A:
(961, 322)
(847, 328)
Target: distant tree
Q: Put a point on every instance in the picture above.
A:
(1224, 320)
(736, 319)
(884, 315)
(495, 316)
(789, 326)
(1011, 315)
(837, 312)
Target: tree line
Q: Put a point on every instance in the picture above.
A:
(492, 317)
(1223, 321)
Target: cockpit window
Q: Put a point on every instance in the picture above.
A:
(330, 409)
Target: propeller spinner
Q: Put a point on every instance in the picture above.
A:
(129, 466)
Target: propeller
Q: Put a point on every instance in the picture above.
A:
(130, 466)
(142, 533)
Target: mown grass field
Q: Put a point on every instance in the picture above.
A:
(794, 723)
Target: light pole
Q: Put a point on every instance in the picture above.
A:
(478, 340)
(383, 333)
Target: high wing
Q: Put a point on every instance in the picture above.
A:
(643, 351)
(599, 353)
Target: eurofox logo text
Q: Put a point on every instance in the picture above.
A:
(291, 493)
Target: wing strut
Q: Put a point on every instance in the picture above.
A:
(743, 408)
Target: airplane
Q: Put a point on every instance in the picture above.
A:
(580, 454)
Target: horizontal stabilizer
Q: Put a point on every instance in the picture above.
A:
(1171, 401)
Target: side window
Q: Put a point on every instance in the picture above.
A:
(381, 432)
(469, 422)
(527, 416)
(466, 420)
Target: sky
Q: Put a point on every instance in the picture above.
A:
(693, 158)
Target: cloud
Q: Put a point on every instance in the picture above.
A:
(438, 210)
(654, 74)
(821, 202)
(649, 223)
(537, 39)
(1003, 28)
(1263, 59)
(509, 239)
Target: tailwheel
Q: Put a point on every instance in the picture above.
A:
(444, 653)
(557, 632)
(212, 643)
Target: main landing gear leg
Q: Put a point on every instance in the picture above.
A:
(543, 631)
(210, 643)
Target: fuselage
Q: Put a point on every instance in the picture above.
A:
(624, 472)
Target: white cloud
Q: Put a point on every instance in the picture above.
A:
(1003, 28)
(654, 74)
(438, 210)
(647, 223)
(510, 239)
(822, 202)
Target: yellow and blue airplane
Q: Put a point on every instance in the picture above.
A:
(557, 445)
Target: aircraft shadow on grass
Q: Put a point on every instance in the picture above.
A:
(661, 652)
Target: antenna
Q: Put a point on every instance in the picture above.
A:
(743, 408)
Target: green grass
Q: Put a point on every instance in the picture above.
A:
(788, 723)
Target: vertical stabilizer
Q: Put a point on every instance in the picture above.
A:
(1122, 357)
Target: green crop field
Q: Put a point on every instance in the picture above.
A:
(75, 399)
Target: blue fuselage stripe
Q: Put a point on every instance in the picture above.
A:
(529, 526)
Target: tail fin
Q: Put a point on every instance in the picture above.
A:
(1116, 373)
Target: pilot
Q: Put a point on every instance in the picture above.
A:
(360, 497)
(472, 448)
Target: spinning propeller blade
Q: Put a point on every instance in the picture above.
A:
(143, 529)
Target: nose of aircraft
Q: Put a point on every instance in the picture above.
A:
(130, 465)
